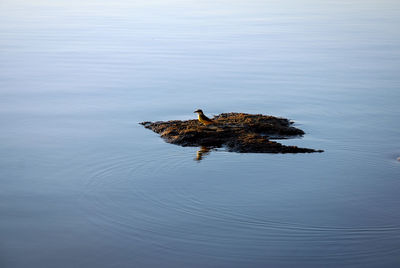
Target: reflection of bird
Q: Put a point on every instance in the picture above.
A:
(202, 153)
(203, 119)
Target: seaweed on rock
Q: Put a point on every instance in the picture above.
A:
(238, 132)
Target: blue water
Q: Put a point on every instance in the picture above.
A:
(84, 185)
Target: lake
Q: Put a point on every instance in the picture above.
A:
(84, 185)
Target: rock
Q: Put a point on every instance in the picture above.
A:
(238, 132)
(398, 158)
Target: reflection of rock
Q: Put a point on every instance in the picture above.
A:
(238, 132)
(202, 152)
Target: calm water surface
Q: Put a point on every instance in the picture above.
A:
(83, 185)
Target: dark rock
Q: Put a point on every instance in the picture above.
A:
(238, 132)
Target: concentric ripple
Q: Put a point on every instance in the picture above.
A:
(136, 199)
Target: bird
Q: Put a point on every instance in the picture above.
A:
(202, 118)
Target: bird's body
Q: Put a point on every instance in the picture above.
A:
(204, 119)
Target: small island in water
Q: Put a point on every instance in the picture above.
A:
(237, 132)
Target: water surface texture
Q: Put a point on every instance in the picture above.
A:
(82, 184)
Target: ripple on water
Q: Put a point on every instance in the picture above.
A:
(128, 197)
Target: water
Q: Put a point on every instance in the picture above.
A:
(83, 185)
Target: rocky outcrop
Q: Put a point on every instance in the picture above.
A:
(238, 132)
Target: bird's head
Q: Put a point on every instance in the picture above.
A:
(199, 111)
